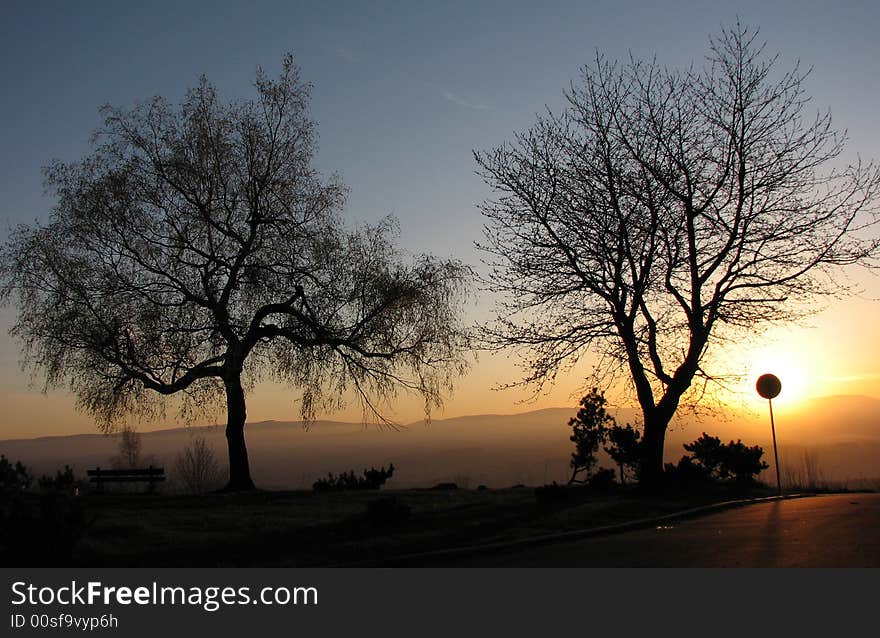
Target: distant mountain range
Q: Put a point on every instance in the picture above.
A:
(532, 448)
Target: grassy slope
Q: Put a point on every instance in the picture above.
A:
(309, 529)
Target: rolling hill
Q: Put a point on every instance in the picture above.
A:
(532, 448)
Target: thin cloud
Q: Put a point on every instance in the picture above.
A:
(452, 97)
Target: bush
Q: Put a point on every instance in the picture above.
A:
(63, 481)
(129, 445)
(708, 453)
(372, 479)
(13, 478)
(687, 472)
(713, 460)
(197, 467)
(742, 463)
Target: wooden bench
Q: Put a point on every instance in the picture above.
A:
(151, 475)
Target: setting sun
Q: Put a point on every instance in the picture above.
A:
(789, 357)
(791, 367)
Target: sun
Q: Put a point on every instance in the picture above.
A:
(785, 360)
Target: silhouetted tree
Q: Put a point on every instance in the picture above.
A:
(665, 211)
(589, 427)
(196, 249)
(623, 448)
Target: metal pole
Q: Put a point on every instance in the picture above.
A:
(775, 454)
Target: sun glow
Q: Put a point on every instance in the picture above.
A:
(792, 364)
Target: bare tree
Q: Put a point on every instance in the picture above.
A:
(129, 446)
(196, 466)
(664, 212)
(196, 250)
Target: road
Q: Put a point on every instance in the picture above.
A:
(840, 530)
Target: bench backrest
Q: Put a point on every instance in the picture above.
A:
(145, 472)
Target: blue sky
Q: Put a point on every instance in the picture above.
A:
(404, 91)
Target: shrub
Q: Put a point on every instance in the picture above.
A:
(197, 467)
(687, 472)
(63, 481)
(714, 460)
(742, 463)
(708, 453)
(13, 477)
(372, 479)
(129, 446)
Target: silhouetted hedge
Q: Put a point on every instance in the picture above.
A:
(372, 479)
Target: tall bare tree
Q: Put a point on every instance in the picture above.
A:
(665, 211)
(196, 250)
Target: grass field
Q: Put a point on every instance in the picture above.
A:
(338, 528)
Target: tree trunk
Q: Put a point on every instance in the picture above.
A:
(653, 439)
(657, 418)
(239, 468)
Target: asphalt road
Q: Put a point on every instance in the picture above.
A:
(839, 530)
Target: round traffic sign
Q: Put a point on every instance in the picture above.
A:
(768, 386)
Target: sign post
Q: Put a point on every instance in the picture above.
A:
(769, 386)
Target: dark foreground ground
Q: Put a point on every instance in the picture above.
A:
(835, 530)
(345, 528)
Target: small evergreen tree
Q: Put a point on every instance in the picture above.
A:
(589, 429)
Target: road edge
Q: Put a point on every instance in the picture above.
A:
(407, 560)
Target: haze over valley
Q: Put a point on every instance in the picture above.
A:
(841, 433)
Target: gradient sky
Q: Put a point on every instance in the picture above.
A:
(403, 92)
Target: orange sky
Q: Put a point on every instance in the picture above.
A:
(835, 352)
